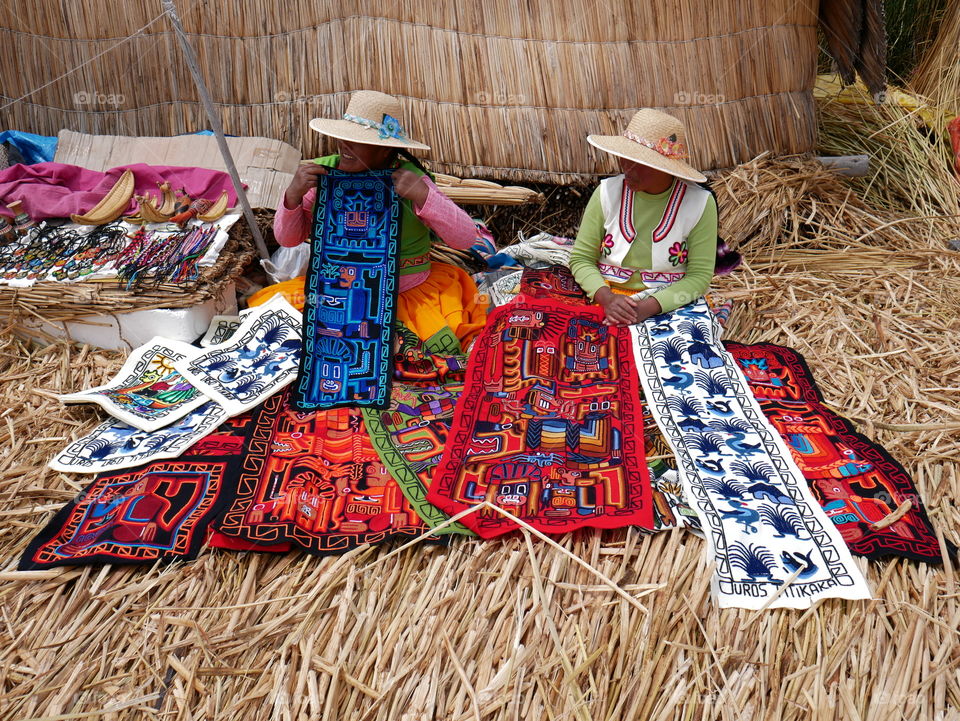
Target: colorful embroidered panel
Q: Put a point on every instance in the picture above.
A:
(160, 511)
(148, 392)
(762, 523)
(549, 426)
(259, 359)
(314, 479)
(855, 480)
(351, 290)
(114, 445)
(411, 433)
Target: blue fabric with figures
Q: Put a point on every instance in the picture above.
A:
(351, 293)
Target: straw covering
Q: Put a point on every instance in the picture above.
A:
(497, 89)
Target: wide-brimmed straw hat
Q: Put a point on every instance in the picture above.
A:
(654, 139)
(372, 118)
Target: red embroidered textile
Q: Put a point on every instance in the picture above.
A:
(550, 425)
(855, 480)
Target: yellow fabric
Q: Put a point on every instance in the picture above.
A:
(291, 289)
(448, 297)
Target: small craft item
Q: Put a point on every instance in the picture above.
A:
(411, 433)
(314, 479)
(259, 359)
(159, 511)
(148, 392)
(114, 444)
(59, 253)
(351, 293)
(112, 205)
(772, 543)
(7, 232)
(153, 258)
(868, 495)
(222, 328)
(22, 222)
(549, 426)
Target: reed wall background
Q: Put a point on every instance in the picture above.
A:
(499, 89)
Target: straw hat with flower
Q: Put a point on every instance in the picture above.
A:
(371, 118)
(654, 139)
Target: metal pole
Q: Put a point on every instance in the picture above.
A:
(215, 125)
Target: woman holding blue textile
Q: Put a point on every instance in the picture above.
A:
(436, 301)
(647, 243)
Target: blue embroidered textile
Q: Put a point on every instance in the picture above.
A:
(351, 293)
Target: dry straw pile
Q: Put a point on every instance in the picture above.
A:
(514, 629)
(498, 89)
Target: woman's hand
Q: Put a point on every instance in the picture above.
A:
(617, 309)
(621, 310)
(304, 179)
(647, 307)
(409, 185)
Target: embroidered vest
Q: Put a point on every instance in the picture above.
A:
(415, 237)
(668, 257)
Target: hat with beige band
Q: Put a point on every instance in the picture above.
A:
(371, 118)
(654, 139)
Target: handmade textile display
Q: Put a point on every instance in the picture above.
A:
(148, 392)
(549, 426)
(762, 523)
(259, 359)
(857, 482)
(351, 290)
(115, 444)
(140, 258)
(411, 433)
(159, 511)
(315, 480)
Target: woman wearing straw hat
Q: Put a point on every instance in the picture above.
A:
(433, 296)
(648, 239)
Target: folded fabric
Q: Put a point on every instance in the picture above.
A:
(57, 190)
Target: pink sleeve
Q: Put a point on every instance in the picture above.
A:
(292, 225)
(446, 219)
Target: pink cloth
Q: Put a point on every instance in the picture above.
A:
(453, 226)
(56, 190)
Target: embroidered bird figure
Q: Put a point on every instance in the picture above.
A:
(792, 560)
(744, 516)
(710, 466)
(679, 382)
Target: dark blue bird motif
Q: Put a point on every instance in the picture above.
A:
(712, 467)
(720, 408)
(794, 560)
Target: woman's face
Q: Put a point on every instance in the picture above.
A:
(361, 157)
(643, 178)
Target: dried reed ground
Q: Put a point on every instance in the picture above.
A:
(513, 629)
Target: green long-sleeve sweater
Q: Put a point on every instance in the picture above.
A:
(647, 212)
